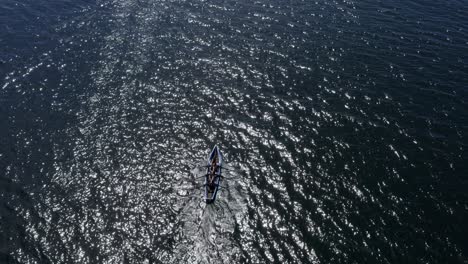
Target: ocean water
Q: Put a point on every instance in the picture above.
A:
(344, 124)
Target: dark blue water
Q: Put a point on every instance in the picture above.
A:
(345, 124)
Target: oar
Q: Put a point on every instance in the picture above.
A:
(198, 177)
(221, 176)
(229, 169)
(202, 166)
(193, 178)
(189, 196)
(190, 188)
(204, 175)
(230, 178)
(208, 166)
(188, 179)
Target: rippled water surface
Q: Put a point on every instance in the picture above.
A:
(344, 124)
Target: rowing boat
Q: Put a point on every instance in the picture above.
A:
(213, 175)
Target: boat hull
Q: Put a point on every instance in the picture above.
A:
(211, 192)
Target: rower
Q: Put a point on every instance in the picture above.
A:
(212, 176)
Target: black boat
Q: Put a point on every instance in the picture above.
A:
(213, 174)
